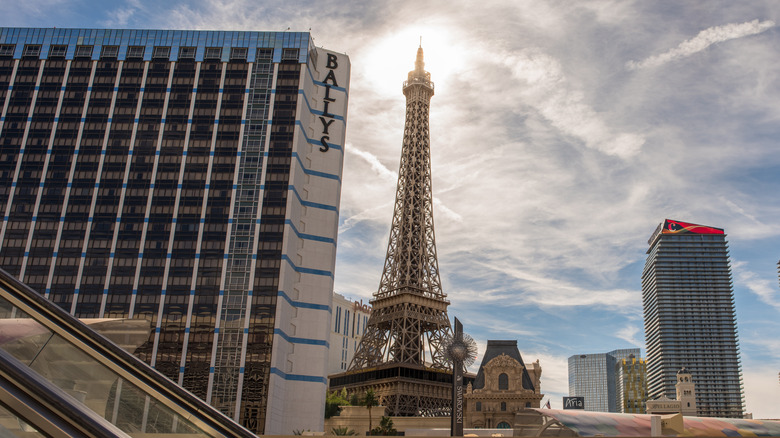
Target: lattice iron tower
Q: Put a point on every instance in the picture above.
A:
(401, 355)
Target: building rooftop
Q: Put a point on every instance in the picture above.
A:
(148, 39)
(495, 349)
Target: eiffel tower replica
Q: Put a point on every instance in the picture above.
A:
(401, 355)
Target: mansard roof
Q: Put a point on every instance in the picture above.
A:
(495, 349)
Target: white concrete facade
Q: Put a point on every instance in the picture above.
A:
(298, 381)
(347, 325)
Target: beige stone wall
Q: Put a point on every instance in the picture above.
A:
(525, 422)
(356, 418)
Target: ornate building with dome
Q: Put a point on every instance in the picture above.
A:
(504, 386)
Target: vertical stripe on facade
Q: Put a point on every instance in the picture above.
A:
(21, 154)
(127, 89)
(95, 257)
(42, 179)
(64, 290)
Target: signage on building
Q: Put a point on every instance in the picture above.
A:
(327, 118)
(666, 406)
(360, 307)
(574, 403)
(456, 426)
(677, 227)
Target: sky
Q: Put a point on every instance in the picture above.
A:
(562, 133)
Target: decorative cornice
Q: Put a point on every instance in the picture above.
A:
(503, 361)
(525, 394)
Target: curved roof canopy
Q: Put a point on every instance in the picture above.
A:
(586, 423)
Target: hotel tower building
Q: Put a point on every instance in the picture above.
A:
(189, 178)
(690, 320)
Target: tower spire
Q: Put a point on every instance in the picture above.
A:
(419, 64)
(419, 75)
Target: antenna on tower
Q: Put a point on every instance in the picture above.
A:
(420, 40)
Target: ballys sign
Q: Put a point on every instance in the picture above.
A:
(329, 101)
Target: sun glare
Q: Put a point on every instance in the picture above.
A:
(389, 61)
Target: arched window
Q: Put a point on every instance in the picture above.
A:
(503, 406)
(503, 425)
(503, 381)
(479, 406)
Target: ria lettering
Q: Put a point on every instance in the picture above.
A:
(331, 65)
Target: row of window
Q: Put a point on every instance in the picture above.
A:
(345, 328)
(502, 407)
(138, 52)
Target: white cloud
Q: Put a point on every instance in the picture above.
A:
(767, 343)
(555, 376)
(444, 212)
(35, 12)
(630, 334)
(741, 211)
(704, 39)
(517, 286)
(548, 91)
(765, 289)
(761, 391)
(380, 169)
(374, 214)
(122, 15)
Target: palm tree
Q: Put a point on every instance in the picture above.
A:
(369, 401)
(385, 428)
(343, 431)
(333, 402)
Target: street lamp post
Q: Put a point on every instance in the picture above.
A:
(460, 350)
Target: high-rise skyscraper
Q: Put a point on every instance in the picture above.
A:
(631, 385)
(690, 320)
(190, 178)
(593, 376)
(401, 355)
